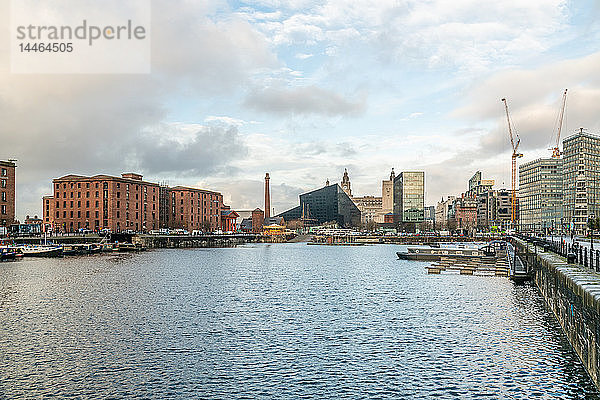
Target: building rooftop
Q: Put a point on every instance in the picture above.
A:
(124, 178)
(193, 189)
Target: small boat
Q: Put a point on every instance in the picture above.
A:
(436, 254)
(41, 251)
(69, 251)
(81, 249)
(9, 254)
(127, 247)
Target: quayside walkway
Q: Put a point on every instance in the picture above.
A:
(568, 279)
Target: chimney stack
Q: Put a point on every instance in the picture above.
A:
(267, 197)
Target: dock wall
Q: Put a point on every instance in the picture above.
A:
(174, 241)
(572, 292)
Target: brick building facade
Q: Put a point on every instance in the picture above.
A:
(104, 202)
(48, 203)
(194, 209)
(128, 203)
(7, 192)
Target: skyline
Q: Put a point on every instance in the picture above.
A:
(302, 90)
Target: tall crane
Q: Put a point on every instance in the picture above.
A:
(515, 155)
(555, 150)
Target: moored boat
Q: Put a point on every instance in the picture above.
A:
(127, 247)
(41, 251)
(81, 249)
(436, 253)
(10, 254)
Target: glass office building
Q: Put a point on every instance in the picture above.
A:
(409, 197)
(581, 178)
(541, 195)
(327, 204)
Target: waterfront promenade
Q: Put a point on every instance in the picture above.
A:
(571, 288)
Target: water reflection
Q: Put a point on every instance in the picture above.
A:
(281, 321)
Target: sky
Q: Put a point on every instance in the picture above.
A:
(303, 89)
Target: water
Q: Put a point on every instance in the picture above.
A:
(275, 321)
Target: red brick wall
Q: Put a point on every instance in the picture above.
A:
(190, 208)
(121, 204)
(48, 203)
(7, 193)
(107, 202)
(258, 218)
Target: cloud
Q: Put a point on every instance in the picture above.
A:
(467, 34)
(303, 56)
(227, 121)
(534, 99)
(303, 100)
(88, 124)
(190, 43)
(451, 61)
(248, 194)
(165, 151)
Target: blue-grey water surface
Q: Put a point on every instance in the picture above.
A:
(275, 321)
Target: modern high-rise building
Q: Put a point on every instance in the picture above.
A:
(541, 195)
(581, 179)
(7, 192)
(494, 209)
(328, 204)
(409, 197)
(478, 185)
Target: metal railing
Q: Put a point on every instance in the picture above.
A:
(575, 254)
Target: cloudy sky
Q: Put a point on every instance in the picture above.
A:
(303, 89)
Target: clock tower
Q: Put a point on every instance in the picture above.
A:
(346, 183)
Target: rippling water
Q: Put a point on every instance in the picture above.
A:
(275, 321)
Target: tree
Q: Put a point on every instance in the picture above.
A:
(594, 224)
(371, 225)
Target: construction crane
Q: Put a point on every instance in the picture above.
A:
(515, 155)
(555, 150)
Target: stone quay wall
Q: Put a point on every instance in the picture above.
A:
(572, 292)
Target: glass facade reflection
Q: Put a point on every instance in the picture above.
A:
(409, 197)
(327, 204)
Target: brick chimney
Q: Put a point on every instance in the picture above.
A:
(267, 197)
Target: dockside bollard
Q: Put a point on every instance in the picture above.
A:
(571, 258)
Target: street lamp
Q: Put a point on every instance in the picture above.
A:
(593, 219)
(572, 228)
(561, 230)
